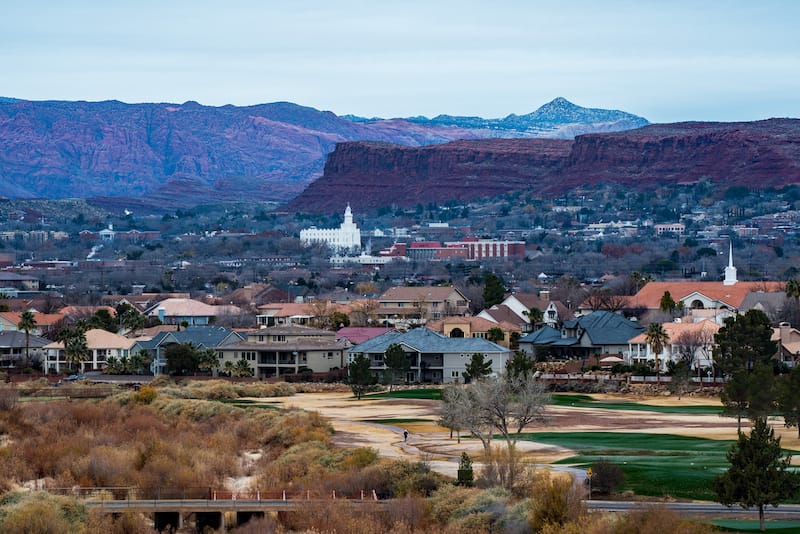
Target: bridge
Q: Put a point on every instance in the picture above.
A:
(219, 509)
(210, 507)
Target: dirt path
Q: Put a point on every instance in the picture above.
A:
(351, 420)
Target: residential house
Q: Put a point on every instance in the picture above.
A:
(359, 334)
(598, 333)
(280, 350)
(45, 322)
(788, 340)
(101, 345)
(191, 312)
(520, 304)
(477, 327)
(404, 306)
(433, 357)
(691, 341)
(12, 348)
(201, 337)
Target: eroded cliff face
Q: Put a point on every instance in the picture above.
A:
(754, 154)
(370, 175)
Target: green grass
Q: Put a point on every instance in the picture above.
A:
(421, 393)
(654, 464)
(585, 401)
(744, 525)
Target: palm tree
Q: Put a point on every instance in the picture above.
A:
(657, 338)
(242, 368)
(75, 348)
(27, 322)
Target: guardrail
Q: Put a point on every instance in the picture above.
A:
(156, 493)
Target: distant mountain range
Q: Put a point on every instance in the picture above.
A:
(161, 156)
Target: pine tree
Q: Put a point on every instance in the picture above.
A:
(493, 290)
(359, 375)
(477, 368)
(758, 474)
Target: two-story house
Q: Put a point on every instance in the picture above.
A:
(280, 350)
(598, 333)
(101, 345)
(200, 337)
(405, 306)
(432, 356)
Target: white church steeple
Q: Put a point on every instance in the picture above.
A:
(730, 270)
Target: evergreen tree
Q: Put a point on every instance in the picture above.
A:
(743, 352)
(520, 365)
(493, 290)
(396, 363)
(359, 375)
(744, 340)
(477, 368)
(758, 474)
(789, 399)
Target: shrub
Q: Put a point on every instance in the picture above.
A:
(145, 395)
(41, 513)
(606, 477)
(360, 458)
(8, 398)
(555, 501)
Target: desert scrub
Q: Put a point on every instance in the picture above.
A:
(41, 513)
(291, 428)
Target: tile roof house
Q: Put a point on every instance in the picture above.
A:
(693, 341)
(600, 332)
(192, 312)
(788, 340)
(477, 327)
(359, 334)
(281, 350)
(101, 345)
(433, 357)
(44, 321)
(414, 305)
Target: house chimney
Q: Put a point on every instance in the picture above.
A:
(544, 295)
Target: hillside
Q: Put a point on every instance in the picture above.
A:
(370, 175)
(163, 155)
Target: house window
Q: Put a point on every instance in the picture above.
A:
(279, 339)
(454, 374)
(330, 355)
(378, 357)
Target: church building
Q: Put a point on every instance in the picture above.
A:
(343, 239)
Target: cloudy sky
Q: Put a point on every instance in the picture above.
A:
(666, 60)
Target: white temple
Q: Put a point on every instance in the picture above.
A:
(345, 238)
(730, 270)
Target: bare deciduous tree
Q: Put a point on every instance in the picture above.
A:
(505, 405)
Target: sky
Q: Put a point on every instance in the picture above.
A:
(667, 60)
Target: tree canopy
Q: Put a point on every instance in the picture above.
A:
(758, 474)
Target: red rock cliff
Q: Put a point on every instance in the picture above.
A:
(370, 175)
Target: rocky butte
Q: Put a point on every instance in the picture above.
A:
(369, 175)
